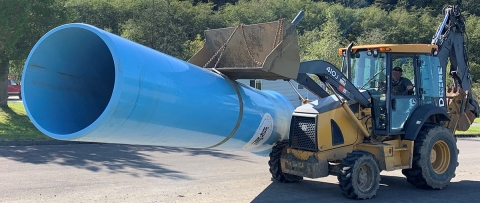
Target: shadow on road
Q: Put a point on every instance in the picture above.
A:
(129, 159)
(392, 189)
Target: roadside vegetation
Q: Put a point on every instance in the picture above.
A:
(473, 130)
(15, 124)
(176, 27)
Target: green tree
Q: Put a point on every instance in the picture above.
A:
(97, 13)
(370, 23)
(13, 23)
(22, 23)
(247, 12)
(406, 27)
(107, 15)
(323, 43)
(217, 3)
(191, 47)
(373, 37)
(352, 3)
(260, 11)
(165, 25)
(473, 45)
(386, 4)
(470, 6)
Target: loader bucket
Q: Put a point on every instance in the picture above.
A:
(259, 51)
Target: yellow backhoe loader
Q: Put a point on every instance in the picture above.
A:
(387, 108)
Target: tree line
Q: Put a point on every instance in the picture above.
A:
(176, 27)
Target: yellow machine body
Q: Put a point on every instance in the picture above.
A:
(392, 154)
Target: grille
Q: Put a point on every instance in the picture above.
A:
(304, 135)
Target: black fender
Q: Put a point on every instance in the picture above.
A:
(420, 115)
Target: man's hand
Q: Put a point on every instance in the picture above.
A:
(409, 90)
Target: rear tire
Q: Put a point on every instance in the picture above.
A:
(359, 176)
(278, 150)
(435, 159)
(20, 96)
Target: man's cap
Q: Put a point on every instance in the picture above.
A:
(398, 69)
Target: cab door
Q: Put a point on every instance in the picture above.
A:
(402, 103)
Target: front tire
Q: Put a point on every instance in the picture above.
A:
(435, 159)
(359, 176)
(278, 150)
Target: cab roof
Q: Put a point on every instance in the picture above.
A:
(395, 48)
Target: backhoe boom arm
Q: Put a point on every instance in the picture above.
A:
(330, 75)
(450, 39)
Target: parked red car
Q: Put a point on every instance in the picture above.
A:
(14, 88)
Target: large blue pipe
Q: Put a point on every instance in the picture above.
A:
(81, 83)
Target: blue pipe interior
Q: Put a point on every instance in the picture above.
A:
(75, 68)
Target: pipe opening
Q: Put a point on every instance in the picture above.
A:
(68, 80)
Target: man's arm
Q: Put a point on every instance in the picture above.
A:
(409, 86)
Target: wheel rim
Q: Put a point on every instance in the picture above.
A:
(440, 157)
(365, 178)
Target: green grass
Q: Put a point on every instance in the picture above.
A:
(473, 130)
(15, 124)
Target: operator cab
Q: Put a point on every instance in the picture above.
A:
(399, 78)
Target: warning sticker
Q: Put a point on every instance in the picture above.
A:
(262, 134)
(343, 81)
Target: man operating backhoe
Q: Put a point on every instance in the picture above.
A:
(400, 85)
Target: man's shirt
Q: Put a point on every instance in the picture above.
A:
(400, 87)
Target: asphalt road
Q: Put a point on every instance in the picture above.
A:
(124, 173)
